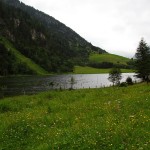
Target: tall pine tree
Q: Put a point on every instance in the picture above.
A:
(142, 63)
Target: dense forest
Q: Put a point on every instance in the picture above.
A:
(48, 42)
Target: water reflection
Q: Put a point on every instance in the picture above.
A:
(34, 84)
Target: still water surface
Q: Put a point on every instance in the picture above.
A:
(17, 85)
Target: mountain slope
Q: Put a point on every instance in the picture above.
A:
(22, 64)
(54, 25)
(107, 60)
(99, 58)
(43, 39)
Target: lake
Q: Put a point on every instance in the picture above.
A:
(17, 85)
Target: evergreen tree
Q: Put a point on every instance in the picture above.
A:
(115, 76)
(142, 62)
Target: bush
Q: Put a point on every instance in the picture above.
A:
(123, 84)
(129, 81)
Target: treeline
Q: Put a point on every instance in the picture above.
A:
(106, 65)
(10, 65)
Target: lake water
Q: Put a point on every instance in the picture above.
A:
(18, 85)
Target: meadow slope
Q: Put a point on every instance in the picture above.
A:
(106, 57)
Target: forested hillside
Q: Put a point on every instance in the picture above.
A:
(43, 39)
(13, 62)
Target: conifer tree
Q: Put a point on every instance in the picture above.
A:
(142, 62)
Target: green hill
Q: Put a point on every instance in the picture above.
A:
(107, 60)
(19, 63)
(106, 57)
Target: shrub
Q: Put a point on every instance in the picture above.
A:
(123, 84)
(129, 81)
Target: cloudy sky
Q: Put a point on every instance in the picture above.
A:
(114, 25)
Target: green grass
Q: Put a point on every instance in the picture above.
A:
(99, 58)
(90, 70)
(95, 119)
(33, 66)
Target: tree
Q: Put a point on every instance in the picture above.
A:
(115, 76)
(142, 62)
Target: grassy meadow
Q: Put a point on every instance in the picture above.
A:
(106, 57)
(114, 118)
(91, 70)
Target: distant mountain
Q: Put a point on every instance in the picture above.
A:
(43, 39)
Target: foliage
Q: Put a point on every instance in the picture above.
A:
(10, 65)
(115, 76)
(129, 81)
(131, 63)
(143, 60)
(123, 84)
(104, 65)
(13, 62)
(103, 119)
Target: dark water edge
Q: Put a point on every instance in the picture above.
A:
(27, 85)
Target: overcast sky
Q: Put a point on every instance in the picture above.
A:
(114, 25)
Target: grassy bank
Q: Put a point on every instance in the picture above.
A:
(90, 70)
(103, 119)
